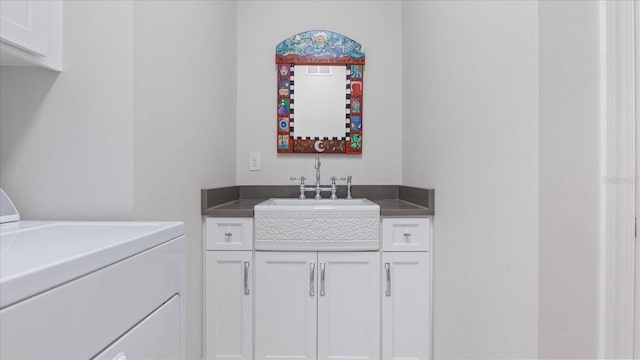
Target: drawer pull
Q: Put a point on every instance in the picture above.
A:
(312, 279)
(407, 236)
(247, 291)
(228, 234)
(387, 269)
(322, 266)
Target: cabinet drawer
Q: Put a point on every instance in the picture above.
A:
(229, 233)
(406, 234)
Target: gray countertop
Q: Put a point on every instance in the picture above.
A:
(236, 208)
(402, 208)
(394, 201)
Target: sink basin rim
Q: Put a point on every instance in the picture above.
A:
(339, 205)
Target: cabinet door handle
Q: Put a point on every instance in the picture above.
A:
(322, 266)
(247, 291)
(228, 234)
(406, 235)
(387, 269)
(312, 279)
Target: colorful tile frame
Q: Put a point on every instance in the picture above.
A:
(319, 47)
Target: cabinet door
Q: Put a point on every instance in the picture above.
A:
(405, 306)
(285, 311)
(228, 305)
(349, 305)
(25, 24)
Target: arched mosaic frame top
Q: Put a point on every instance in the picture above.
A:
(319, 47)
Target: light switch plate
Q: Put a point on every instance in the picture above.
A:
(255, 163)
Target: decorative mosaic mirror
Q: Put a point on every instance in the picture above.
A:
(320, 87)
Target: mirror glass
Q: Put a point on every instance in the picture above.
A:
(319, 96)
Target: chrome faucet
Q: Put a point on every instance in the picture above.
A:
(318, 188)
(316, 165)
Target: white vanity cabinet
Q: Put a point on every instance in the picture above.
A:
(229, 234)
(228, 288)
(286, 305)
(405, 305)
(406, 288)
(321, 305)
(229, 304)
(31, 33)
(318, 304)
(349, 305)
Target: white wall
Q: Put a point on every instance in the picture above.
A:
(66, 139)
(470, 130)
(140, 120)
(185, 87)
(376, 25)
(569, 179)
(501, 125)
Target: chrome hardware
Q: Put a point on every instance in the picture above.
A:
(387, 269)
(322, 266)
(334, 188)
(301, 187)
(317, 188)
(348, 180)
(349, 197)
(228, 234)
(247, 291)
(312, 279)
(406, 236)
(316, 165)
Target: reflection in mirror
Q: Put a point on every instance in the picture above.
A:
(320, 95)
(320, 89)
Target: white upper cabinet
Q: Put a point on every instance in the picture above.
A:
(24, 24)
(31, 33)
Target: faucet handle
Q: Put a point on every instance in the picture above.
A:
(300, 187)
(334, 188)
(343, 178)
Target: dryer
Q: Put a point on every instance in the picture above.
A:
(90, 289)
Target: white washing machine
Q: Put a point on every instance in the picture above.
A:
(90, 290)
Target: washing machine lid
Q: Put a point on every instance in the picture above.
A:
(8, 211)
(39, 255)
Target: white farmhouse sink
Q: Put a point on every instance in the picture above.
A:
(317, 225)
